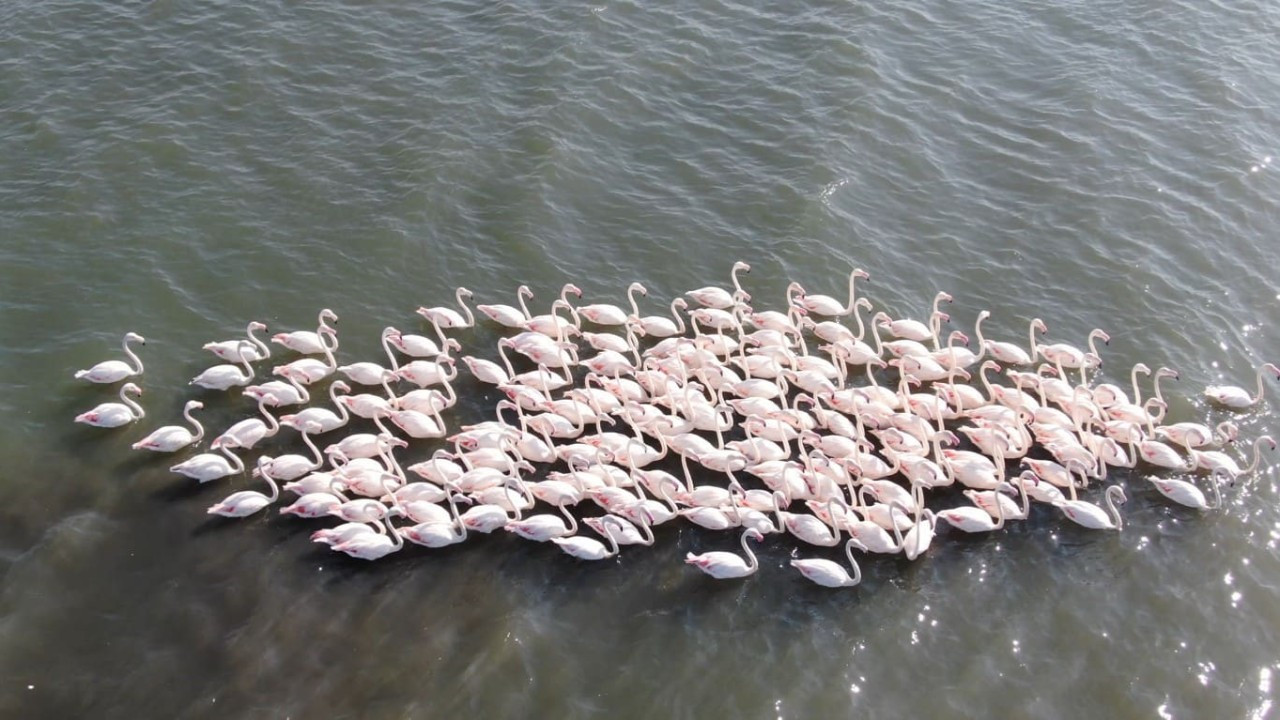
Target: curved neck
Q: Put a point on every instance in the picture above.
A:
(1256, 398)
(862, 329)
(1133, 379)
(1217, 493)
(1257, 455)
(568, 516)
(303, 392)
(333, 395)
(752, 563)
(244, 359)
(306, 440)
(275, 488)
(186, 412)
(236, 462)
(857, 571)
(853, 275)
(737, 286)
(1111, 508)
(457, 521)
(524, 309)
(129, 351)
(1032, 338)
(134, 408)
(1093, 338)
(272, 425)
(631, 296)
(471, 318)
(386, 346)
(264, 352)
(675, 313)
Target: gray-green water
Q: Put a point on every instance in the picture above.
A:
(178, 170)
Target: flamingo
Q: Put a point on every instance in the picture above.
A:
(440, 534)
(326, 419)
(442, 318)
(719, 299)
(975, 518)
(1186, 493)
(171, 438)
(541, 528)
(1213, 460)
(659, 326)
(221, 377)
(277, 393)
(1070, 356)
(506, 315)
(207, 467)
(292, 467)
(588, 548)
(1093, 517)
(1006, 352)
(229, 349)
(1236, 398)
(370, 373)
(344, 532)
(109, 371)
(412, 345)
(110, 415)
(827, 305)
(309, 370)
(372, 546)
(725, 565)
(828, 573)
(247, 502)
(604, 314)
(306, 342)
(247, 433)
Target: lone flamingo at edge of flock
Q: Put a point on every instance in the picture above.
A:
(1237, 398)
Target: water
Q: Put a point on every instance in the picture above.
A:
(178, 171)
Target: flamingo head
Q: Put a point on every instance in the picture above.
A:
(135, 337)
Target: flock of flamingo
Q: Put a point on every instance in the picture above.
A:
(828, 459)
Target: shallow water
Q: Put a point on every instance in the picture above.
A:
(179, 171)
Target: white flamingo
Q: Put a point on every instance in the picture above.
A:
(306, 342)
(1237, 398)
(109, 371)
(828, 573)
(110, 415)
(171, 438)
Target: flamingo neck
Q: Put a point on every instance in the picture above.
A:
(753, 563)
(1112, 510)
(132, 356)
(264, 352)
(134, 408)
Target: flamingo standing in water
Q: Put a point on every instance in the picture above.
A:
(306, 342)
(109, 371)
(827, 305)
(828, 573)
(110, 415)
(247, 502)
(443, 318)
(230, 350)
(725, 565)
(171, 438)
(1186, 493)
(1237, 398)
(718, 298)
